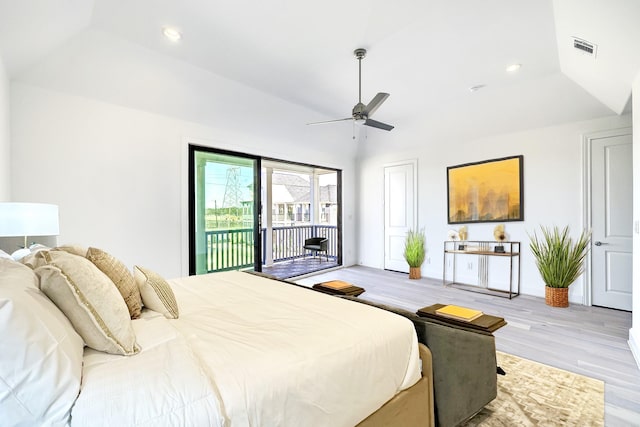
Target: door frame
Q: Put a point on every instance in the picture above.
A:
(587, 201)
(257, 205)
(414, 164)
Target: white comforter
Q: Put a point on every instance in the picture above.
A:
(247, 351)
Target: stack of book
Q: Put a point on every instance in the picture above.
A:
(459, 313)
(336, 284)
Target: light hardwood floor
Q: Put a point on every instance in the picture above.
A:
(591, 341)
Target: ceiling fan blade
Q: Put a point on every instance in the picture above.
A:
(376, 124)
(330, 121)
(376, 102)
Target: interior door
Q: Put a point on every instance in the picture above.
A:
(224, 211)
(612, 221)
(399, 212)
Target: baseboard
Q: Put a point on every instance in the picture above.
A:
(634, 344)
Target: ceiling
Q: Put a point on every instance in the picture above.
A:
(425, 53)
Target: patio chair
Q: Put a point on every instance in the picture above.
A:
(317, 244)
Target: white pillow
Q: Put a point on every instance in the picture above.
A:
(90, 300)
(41, 356)
(156, 293)
(4, 255)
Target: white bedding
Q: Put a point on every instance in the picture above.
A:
(247, 351)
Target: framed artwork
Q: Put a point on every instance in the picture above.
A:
(488, 191)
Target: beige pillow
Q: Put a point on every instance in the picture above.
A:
(120, 276)
(89, 300)
(156, 293)
(73, 249)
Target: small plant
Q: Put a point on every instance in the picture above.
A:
(559, 260)
(414, 248)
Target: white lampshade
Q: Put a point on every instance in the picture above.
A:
(28, 219)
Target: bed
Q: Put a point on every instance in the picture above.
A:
(223, 349)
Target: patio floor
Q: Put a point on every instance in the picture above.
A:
(299, 266)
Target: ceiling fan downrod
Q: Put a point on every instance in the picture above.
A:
(360, 54)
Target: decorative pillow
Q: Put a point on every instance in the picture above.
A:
(34, 259)
(41, 356)
(120, 276)
(73, 249)
(35, 247)
(90, 301)
(156, 293)
(4, 255)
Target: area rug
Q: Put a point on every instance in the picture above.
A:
(533, 394)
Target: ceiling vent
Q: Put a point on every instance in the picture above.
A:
(584, 46)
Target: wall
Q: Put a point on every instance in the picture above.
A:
(5, 165)
(552, 192)
(119, 174)
(100, 127)
(634, 333)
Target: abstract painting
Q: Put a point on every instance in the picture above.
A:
(487, 191)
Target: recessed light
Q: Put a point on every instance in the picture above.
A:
(476, 88)
(513, 67)
(172, 34)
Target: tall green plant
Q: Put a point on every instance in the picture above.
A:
(559, 260)
(414, 248)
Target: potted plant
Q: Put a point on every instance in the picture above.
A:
(414, 252)
(560, 261)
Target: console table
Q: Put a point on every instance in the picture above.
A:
(483, 253)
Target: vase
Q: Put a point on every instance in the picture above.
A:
(414, 273)
(556, 297)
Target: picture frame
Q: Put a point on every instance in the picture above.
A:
(486, 191)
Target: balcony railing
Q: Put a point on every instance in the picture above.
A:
(233, 249)
(288, 242)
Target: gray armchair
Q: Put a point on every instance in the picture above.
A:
(317, 244)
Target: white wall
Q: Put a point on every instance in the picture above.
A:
(100, 128)
(5, 161)
(634, 333)
(119, 174)
(552, 192)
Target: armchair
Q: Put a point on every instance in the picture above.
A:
(317, 244)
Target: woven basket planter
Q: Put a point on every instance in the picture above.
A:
(414, 273)
(556, 297)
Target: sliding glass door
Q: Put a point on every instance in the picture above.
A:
(253, 213)
(224, 211)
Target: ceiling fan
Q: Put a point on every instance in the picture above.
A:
(361, 113)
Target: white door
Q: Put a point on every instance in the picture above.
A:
(399, 212)
(612, 220)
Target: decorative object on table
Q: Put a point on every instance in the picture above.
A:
(28, 219)
(560, 261)
(414, 252)
(500, 236)
(462, 232)
(486, 191)
(453, 235)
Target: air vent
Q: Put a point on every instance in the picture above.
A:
(584, 46)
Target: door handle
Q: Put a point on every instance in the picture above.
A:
(598, 243)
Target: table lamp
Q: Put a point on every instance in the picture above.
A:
(28, 219)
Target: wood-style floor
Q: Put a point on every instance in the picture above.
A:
(591, 341)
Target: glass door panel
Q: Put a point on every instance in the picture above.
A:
(224, 220)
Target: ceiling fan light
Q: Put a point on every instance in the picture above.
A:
(360, 120)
